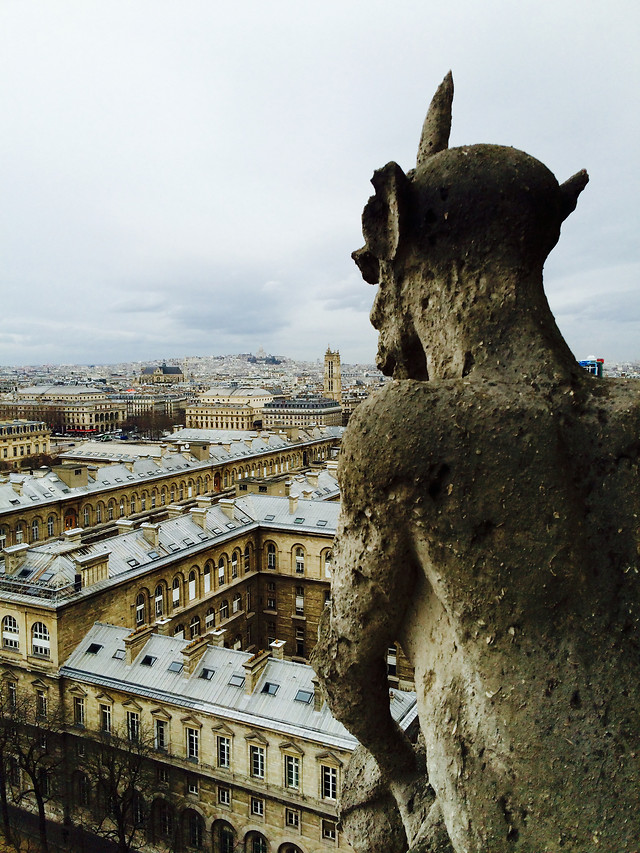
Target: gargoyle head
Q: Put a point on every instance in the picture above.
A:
(462, 215)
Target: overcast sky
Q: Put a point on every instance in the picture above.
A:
(187, 177)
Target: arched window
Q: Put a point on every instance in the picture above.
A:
(40, 640)
(159, 601)
(121, 508)
(210, 618)
(195, 830)
(99, 514)
(175, 593)
(224, 609)
(247, 559)
(221, 571)
(163, 496)
(179, 631)
(271, 556)
(133, 504)
(234, 564)
(236, 606)
(19, 534)
(173, 493)
(300, 561)
(140, 614)
(143, 501)
(192, 585)
(10, 633)
(257, 843)
(3, 537)
(327, 559)
(206, 576)
(35, 530)
(237, 643)
(194, 627)
(51, 525)
(86, 516)
(224, 837)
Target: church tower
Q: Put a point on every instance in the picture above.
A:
(332, 378)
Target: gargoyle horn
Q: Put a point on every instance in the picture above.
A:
(437, 124)
(570, 191)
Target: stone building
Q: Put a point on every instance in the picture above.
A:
(101, 483)
(162, 375)
(228, 408)
(184, 608)
(332, 376)
(21, 438)
(74, 409)
(302, 412)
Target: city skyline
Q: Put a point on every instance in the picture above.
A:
(191, 180)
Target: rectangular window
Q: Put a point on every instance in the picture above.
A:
(162, 775)
(329, 830)
(292, 818)
(12, 689)
(271, 604)
(78, 710)
(105, 719)
(193, 744)
(41, 703)
(133, 725)
(256, 754)
(224, 751)
(161, 740)
(224, 795)
(329, 782)
(291, 771)
(299, 601)
(192, 785)
(257, 806)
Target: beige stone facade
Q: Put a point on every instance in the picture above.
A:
(134, 493)
(20, 438)
(77, 409)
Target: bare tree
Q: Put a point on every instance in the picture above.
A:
(109, 781)
(33, 759)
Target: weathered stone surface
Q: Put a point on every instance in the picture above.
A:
(490, 524)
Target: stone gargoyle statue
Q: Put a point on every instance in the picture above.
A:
(491, 496)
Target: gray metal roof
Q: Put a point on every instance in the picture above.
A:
(280, 712)
(131, 554)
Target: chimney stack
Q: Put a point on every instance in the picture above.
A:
(192, 654)
(253, 669)
(293, 504)
(151, 533)
(135, 641)
(277, 649)
(217, 637)
(124, 525)
(227, 505)
(318, 699)
(14, 557)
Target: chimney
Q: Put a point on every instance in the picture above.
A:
(253, 669)
(124, 525)
(128, 464)
(293, 504)
(200, 451)
(192, 654)
(217, 637)
(93, 568)
(277, 649)
(318, 699)
(174, 510)
(204, 501)
(227, 505)
(312, 478)
(73, 536)
(332, 467)
(199, 516)
(151, 533)
(14, 557)
(72, 475)
(16, 484)
(135, 641)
